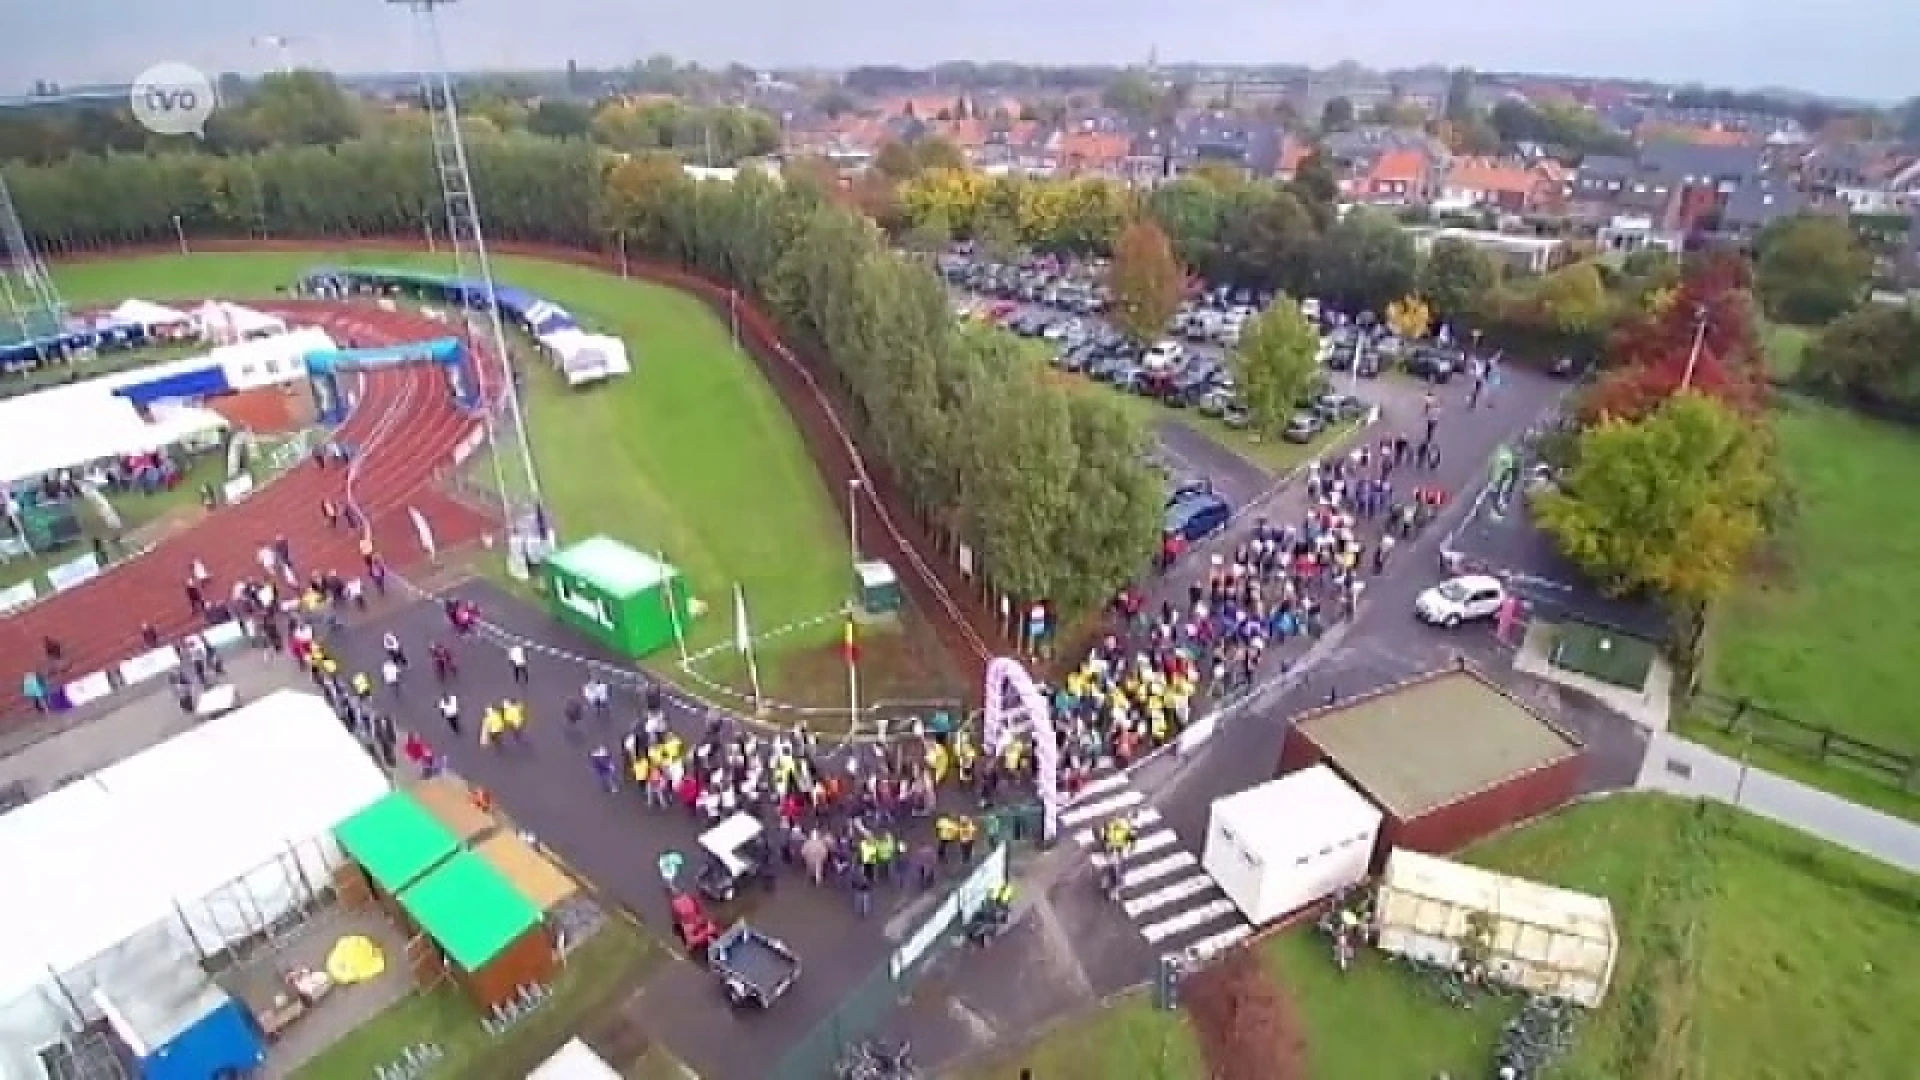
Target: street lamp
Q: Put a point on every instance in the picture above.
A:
(1699, 340)
(180, 234)
(853, 518)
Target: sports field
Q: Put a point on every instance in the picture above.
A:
(1748, 952)
(692, 455)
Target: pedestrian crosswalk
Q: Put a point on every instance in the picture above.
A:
(1174, 903)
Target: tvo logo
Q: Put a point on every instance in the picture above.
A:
(173, 99)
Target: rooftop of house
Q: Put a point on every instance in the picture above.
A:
(1494, 175)
(1406, 166)
(1682, 159)
(1759, 204)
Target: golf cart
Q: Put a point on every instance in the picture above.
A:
(733, 856)
(754, 968)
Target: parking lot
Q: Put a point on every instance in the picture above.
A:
(1183, 386)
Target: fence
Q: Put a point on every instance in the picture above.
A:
(1741, 718)
(865, 1007)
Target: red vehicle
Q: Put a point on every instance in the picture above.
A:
(1001, 310)
(691, 923)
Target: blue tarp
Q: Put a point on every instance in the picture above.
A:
(537, 315)
(192, 384)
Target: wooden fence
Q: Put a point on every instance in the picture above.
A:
(1741, 718)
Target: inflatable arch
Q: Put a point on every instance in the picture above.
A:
(324, 368)
(1005, 676)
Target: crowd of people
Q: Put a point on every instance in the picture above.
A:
(1144, 680)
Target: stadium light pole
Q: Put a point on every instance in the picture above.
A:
(466, 240)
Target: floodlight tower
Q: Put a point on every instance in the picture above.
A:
(30, 304)
(504, 420)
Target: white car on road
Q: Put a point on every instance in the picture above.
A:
(1461, 599)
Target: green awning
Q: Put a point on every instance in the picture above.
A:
(396, 841)
(470, 909)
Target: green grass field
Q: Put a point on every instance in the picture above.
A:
(139, 516)
(1749, 952)
(692, 454)
(1825, 628)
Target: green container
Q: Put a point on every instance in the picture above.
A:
(627, 600)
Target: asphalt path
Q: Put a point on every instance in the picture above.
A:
(548, 787)
(1196, 456)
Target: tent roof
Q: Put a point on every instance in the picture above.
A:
(148, 313)
(452, 805)
(470, 909)
(574, 1061)
(396, 841)
(109, 855)
(613, 566)
(65, 426)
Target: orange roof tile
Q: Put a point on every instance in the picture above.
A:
(1094, 149)
(1291, 155)
(1483, 174)
(1408, 166)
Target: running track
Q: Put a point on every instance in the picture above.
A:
(405, 429)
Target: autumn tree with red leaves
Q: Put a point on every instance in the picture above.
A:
(1649, 356)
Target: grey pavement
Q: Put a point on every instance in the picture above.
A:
(1193, 453)
(549, 788)
(1688, 769)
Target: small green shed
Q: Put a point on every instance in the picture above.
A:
(627, 600)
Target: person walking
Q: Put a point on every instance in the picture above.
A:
(517, 660)
(395, 652)
(390, 676)
(450, 712)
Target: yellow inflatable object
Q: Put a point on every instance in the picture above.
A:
(355, 959)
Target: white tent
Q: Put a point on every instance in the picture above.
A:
(72, 425)
(148, 314)
(219, 320)
(1535, 937)
(584, 358)
(204, 840)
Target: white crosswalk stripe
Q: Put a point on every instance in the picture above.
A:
(1191, 919)
(1170, 894)
(1110, 782)
(1133, 877)
(1207, 947)
(1079, 815)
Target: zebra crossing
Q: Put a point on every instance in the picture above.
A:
(1174, 903)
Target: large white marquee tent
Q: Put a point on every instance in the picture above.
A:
(72, 425)
(150, 315)
(189, 848)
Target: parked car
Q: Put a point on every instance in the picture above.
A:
(1432, 365)
(1164, 355)
(1335, 408)
(1217, 401)
(1197, 518)
(1461, 599)
(1304, 427)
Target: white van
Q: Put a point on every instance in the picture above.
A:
(1163, 357)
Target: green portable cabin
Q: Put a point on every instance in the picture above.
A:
(627, 600)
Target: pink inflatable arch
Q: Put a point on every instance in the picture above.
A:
(1033, 715)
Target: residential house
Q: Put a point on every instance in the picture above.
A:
(1624, 234)
(1395, 178)
(1862, 178)
(1757, 204)
(1676, 184)
(1506, 186)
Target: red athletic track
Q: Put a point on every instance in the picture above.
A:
(405, 429)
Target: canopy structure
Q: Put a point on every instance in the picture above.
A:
(202, 841)
(532, 873)
(148, 314)
(223, 321)
(470, 910)
(584, 358)
(73, 425)
(1538, 938)
(396, 841)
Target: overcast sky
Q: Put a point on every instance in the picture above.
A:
(1856, 48)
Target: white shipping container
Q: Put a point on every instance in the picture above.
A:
(1289, 842)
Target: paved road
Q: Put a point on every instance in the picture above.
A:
(549, 788)
(1679, 767)
(1194, 454)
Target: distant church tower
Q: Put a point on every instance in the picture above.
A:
(1153, 60)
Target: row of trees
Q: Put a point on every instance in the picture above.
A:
(308, 108)
(1049, 488)
(1869, 359)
